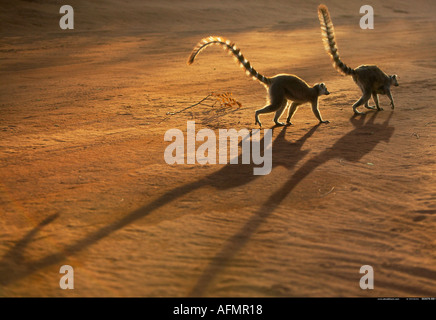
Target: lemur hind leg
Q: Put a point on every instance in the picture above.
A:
(277, 103)
(291, 112)
(362, 101)
(367, 106)
(279, 114)
(268, 109)
(375, 98)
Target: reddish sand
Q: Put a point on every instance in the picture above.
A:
(83, 181)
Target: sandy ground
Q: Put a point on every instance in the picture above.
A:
(83, 181)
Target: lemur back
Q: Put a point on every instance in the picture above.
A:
(370, 78)
(280, 88)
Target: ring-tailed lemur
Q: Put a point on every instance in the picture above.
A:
(281, 88)
(370, 78)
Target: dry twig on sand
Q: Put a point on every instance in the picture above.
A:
(225, 101)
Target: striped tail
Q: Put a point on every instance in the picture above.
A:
(231, 47)
(328, 35)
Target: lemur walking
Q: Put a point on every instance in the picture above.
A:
(281, 88)
(370, 78)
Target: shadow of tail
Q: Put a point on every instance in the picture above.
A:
(351, 147)
(13, 267)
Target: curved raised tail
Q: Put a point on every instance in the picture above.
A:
(328, 37)
(231, 47)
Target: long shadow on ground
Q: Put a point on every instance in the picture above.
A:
(352, 147)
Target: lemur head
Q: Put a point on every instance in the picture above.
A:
(322, 89)
(394, 80)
